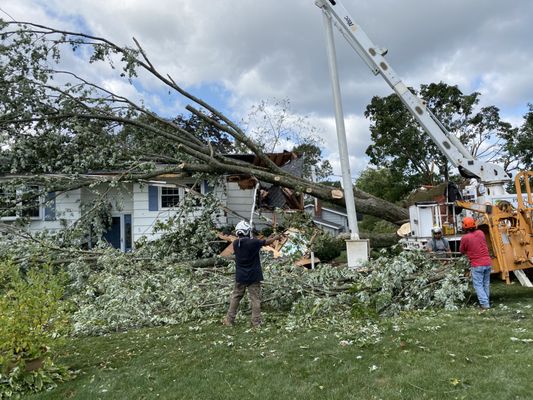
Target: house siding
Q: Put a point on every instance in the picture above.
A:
(335, 218)
(331, 231)
(133, 199)
(331, 217)
(120, 197)
(67, 211)
(239, 201)
(144, 220)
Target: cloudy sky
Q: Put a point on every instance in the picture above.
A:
(237, 53)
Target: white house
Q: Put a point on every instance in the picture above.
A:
(137, 207)
(330, 220)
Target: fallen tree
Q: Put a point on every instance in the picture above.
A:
(56, 121)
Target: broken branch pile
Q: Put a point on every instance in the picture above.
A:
(115, 291)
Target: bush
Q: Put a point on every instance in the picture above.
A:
(32, 317)
(328, 248)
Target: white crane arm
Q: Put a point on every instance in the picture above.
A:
(488, 173)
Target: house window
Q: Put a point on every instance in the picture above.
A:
(7, 204)
(170, 197)
(30, 202)
(27, 201)
(207, 187)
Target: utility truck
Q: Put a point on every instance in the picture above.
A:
(506, 219)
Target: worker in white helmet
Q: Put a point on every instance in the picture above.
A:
(438, 244)
(248, 272)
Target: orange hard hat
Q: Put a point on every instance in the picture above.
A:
(469, 223)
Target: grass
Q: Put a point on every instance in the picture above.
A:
(423, 355)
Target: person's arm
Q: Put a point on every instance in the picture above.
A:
(272, 239)
(448, 248)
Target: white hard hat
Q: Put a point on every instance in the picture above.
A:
(436, 229)
(243, 228)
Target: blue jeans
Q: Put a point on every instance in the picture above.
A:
(481, 283)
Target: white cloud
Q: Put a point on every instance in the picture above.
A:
(357, 138)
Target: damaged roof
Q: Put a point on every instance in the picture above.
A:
(272, 196)
(280, 159)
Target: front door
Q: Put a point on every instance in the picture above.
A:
(119, 234)
(113, 235)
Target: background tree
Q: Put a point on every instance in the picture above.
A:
(400, 144)
(389, 186)
(520, 141)
(275, 128)
(383, 182)
(312, 155)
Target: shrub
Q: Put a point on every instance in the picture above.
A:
(32, 317)
(328, 248)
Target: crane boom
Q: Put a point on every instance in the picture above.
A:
(491, 175)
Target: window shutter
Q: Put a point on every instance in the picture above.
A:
(127, 233)
(50, 207)
(153, 198)
(207, 188)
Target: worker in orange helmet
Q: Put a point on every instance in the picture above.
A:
(474, 246)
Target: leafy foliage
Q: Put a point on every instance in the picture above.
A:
(313, 159)
(32, 316)
(191, 233)
(327, 247)
(401, 145)
(383, 182)
(411, 280)
(121, 293)
(19, 381)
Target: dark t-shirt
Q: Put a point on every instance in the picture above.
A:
(247, 259)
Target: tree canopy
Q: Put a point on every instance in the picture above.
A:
(520, 143)
(401, 145)
(384, 183)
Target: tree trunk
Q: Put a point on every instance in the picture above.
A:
(372, 205)
(380, 240)
(365, 203)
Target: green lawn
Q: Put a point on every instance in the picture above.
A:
(425, 355)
